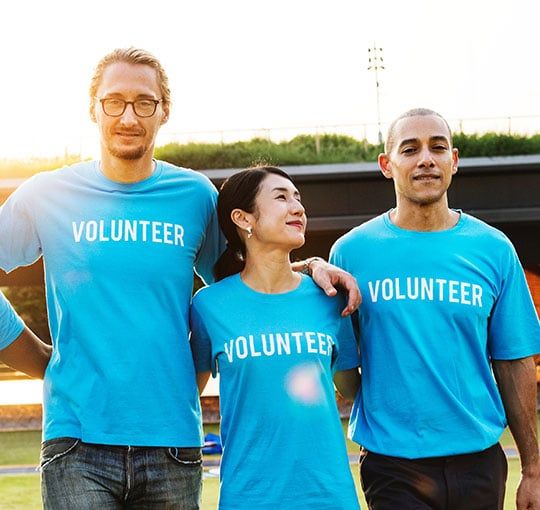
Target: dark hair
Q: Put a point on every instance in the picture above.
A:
(239, 191)
(415, 112)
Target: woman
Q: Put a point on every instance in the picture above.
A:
(276, 340)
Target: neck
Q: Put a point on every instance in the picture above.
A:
(269, 272)
(426, 218)
(127, 170)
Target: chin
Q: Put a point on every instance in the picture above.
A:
(428, 200)
(299, 243)
(128, 153)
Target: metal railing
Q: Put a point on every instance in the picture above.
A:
(517, 124)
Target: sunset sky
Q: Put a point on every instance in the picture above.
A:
(249, 64)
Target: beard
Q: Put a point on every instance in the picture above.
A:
(128, 153)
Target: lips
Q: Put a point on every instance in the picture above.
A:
(297, 224)
(426, 177)
(126, 133)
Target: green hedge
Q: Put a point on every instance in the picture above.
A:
(496, 144)
(301, 150)
(311, 149)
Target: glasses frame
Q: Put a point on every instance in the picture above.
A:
(132, 103)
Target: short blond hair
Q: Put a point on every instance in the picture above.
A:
(130, 56)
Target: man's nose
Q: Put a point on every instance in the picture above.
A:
(129, 117)
(425, 158)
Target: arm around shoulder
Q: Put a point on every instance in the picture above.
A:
(329, 277)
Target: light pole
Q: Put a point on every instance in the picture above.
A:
(375, 56)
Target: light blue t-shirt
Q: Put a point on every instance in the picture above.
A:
(276, 353)
(119, 264)
(437, 307)
(11, 325)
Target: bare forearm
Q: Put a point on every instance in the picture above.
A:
(27, 354)
(347, 383)
(517, 385)
(202, 380)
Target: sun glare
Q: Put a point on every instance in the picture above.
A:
(21, 392)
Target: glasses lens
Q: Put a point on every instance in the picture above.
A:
(113, 107)
(145, 107)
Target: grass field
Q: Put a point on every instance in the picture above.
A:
(21, 492)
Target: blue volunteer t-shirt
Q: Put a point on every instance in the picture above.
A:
(119, 264)
(276, 353)
(437, 306)
(11, 325)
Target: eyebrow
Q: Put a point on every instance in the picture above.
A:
(115, 95)
(437, 138)
(286, 190)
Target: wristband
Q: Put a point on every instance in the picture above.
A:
(306, 268)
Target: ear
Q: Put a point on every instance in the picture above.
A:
(385, 165)
(455, 158)
(93, 110)
(165, 116)
(241, 218)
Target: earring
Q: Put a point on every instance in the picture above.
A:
(249, 231)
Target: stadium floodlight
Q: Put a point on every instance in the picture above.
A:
(375, 58)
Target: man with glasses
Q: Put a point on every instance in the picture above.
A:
(120, 238)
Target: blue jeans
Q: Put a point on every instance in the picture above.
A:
(83, 476)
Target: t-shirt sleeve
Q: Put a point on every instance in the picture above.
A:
(19, 242)
(348, 355)
(336, 255)
(201, 346)
(514, 329)
(348, 352)
(213, 244)
(11, 325)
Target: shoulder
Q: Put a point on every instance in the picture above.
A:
(49, 181)
(215, 292)
(311, 296)
(188, 177)
(484, 233)
(83, 169)
(371, 229)
(489, 243)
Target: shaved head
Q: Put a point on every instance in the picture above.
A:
(415, 112)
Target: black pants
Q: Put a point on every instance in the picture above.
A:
(474, 481)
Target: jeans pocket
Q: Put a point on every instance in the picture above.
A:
(55, 449)
(186, 456)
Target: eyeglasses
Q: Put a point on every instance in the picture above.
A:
(114, 107)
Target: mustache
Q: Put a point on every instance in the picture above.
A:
(129, 132)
